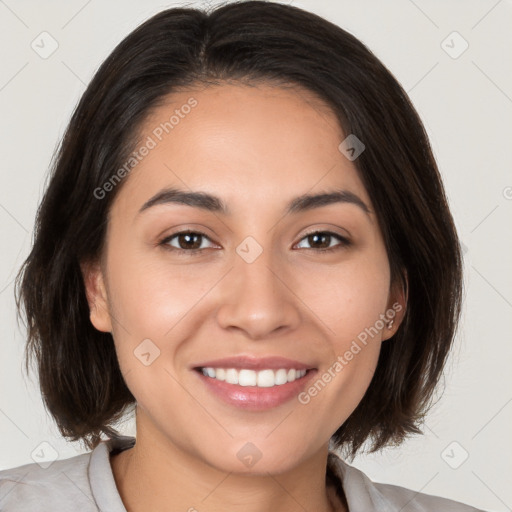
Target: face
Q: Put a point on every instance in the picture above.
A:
(252, 281)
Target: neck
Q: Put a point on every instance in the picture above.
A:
(158, 476)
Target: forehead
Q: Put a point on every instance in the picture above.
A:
(251, 145)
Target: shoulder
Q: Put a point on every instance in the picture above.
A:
(63, 485)
(363, 495)
(84, 482)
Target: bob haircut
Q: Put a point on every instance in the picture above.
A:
(249, 43)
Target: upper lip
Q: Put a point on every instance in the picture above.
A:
(254, 363)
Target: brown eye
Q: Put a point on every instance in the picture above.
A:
(187, 241)
(321, 241)
(191, 241)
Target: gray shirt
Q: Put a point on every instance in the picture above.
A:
(86, 483)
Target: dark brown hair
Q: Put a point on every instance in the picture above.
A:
(247, 42)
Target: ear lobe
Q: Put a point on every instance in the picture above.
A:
(397, 304)
(96, 296)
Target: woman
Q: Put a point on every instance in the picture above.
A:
(245, 238)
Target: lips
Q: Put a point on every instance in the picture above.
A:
(254, 398)
(254, 395)
(254, 363)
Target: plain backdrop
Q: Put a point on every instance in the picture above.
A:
(454, 59)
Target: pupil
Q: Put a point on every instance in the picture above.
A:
(187, 237)
(316, 237)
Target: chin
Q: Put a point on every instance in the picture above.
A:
(250, 459)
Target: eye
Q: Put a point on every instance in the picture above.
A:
(188, 241)
(191, 241)
(324, 238)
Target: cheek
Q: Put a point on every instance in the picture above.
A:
(349, 301)
(353, 372)
(349, 298)
(150, 296)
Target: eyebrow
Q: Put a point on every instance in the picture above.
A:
(215, 204)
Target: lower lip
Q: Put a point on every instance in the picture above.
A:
(255, 398)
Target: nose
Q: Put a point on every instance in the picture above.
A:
(258, 299)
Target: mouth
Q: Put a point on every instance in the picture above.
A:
(265, 378)
(254, 384)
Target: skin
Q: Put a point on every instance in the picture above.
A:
(252, 146)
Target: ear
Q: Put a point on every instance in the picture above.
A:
(397, 306)
(96, 296)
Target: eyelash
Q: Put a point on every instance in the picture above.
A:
(165, 242)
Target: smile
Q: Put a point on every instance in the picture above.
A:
(245, 377)
(255, 390)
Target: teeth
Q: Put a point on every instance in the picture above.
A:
(231, 375)
(261, 379)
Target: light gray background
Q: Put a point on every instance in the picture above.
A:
(466, 105)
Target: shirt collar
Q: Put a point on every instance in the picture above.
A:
(360, 492)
